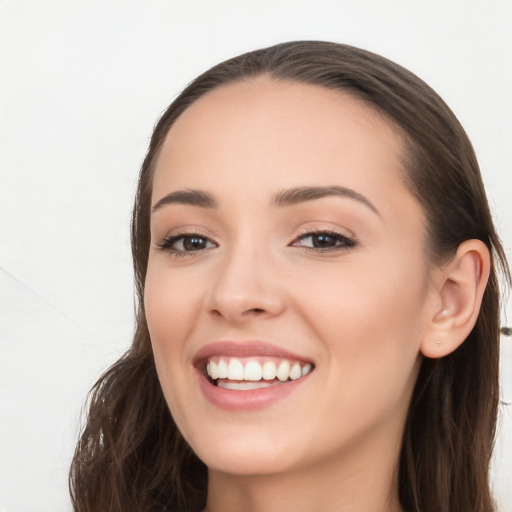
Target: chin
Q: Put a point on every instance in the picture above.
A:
(247, 464)
(249, 453)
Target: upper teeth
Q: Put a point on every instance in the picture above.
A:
(234, 369)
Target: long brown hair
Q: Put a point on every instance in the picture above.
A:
(131, 456)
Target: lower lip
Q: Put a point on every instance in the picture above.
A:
(247, 400)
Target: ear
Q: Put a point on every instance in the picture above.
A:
(458, 290)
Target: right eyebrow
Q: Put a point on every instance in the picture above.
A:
(189, 196)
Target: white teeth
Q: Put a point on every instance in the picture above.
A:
(235, 370)
(213, 370)
(242, 386)
(222, 369)
(253, 371)
(283, 372)
(306, 369)
(295, 372)
(269, 370)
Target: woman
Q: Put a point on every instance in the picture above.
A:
(318, 315)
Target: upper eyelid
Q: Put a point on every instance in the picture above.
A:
(328, 230)
(320, 225)
(315, 231)
(188, 230)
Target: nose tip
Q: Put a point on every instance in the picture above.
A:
(240, 294)
(242, 308)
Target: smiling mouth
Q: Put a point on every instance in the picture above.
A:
(244, 374)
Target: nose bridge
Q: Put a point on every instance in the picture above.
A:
(246, 285)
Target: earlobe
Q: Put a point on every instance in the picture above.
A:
(460, 287)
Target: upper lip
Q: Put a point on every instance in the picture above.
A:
(245, 349)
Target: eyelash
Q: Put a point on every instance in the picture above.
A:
(167, 243)
(343, 242)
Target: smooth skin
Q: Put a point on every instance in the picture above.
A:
(343, 280)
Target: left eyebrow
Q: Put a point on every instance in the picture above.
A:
(297, 195)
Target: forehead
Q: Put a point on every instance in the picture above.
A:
(284, 131)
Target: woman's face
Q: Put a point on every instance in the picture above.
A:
(284, 240)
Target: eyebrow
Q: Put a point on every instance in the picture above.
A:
(285, 198)
(190, 197)
(297, 195)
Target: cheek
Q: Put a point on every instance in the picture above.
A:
(170, 316)
(370, 321)
(170, 306)
(362, 297)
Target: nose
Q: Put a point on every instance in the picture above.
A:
(246, 287)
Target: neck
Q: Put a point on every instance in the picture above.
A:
(359, 484)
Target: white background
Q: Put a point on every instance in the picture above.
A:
(82, 83)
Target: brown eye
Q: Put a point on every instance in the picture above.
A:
(324, 241)
(194, 243)
(182, 244)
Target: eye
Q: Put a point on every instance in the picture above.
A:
(185, 243)
(324, 241)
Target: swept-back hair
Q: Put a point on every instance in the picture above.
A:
(131, 456)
